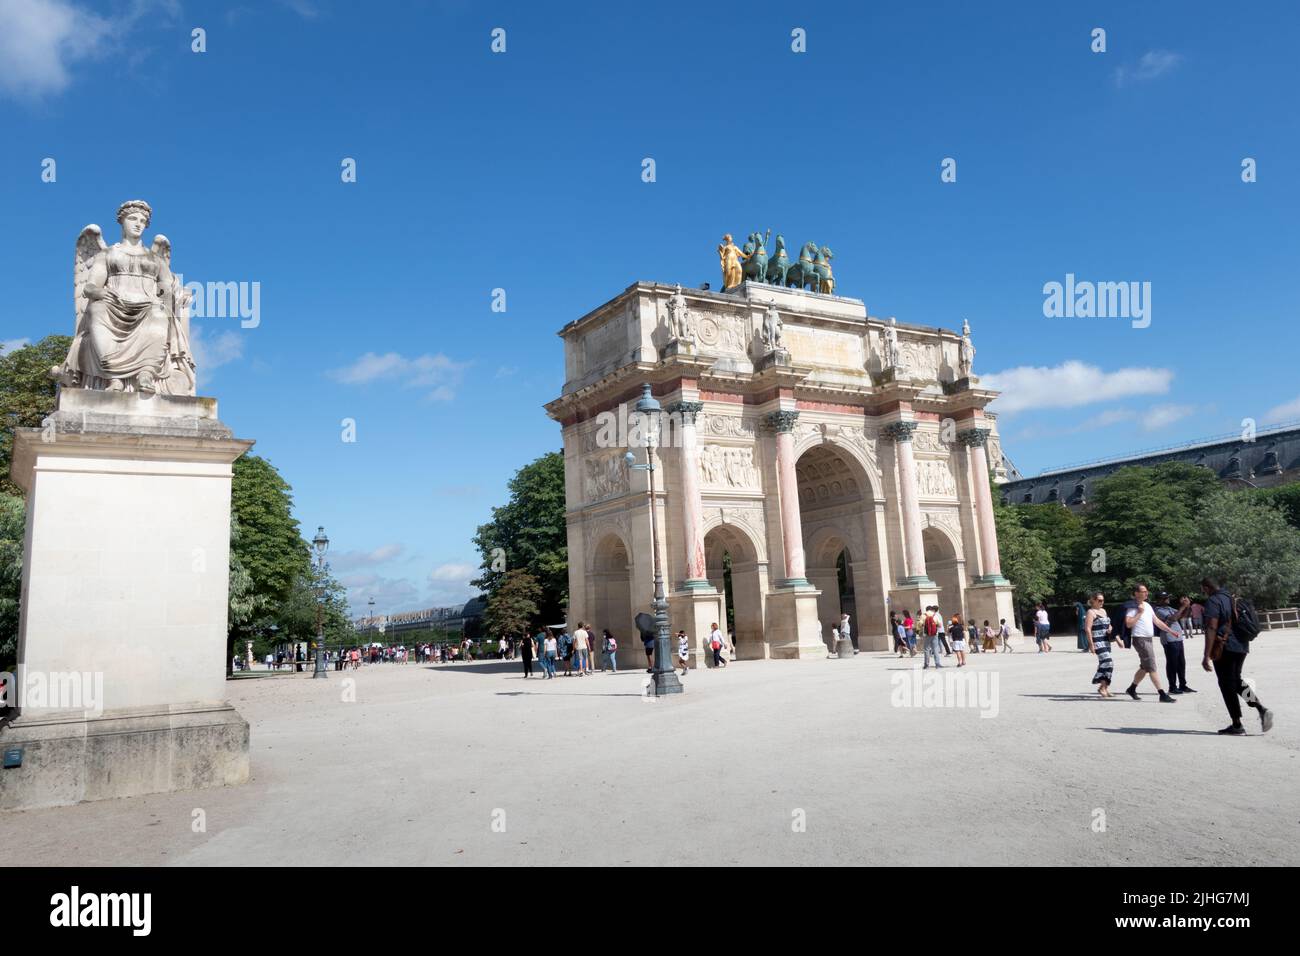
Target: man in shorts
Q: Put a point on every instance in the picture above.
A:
(1142, 622)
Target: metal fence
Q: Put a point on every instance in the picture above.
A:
(1279, 618)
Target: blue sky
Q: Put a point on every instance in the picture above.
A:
(522, 171)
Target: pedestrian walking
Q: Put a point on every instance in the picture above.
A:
(846, 630)
(958, 640)
(582, 649)
(683, 651)
(1042, 629)
(1225, 654)
(1172, 642)
(943, 631)
(930, 637)
(648, 643)
(1142, 623)
(550, 647)
(610, 647)
(1005, 633)
(1097, 624)
(717, 645)
(526, 652)
(990, 638)
(909, 630)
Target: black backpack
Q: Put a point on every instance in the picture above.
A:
(1245, 624)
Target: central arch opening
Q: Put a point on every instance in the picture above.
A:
(837, 509)
(731, 564)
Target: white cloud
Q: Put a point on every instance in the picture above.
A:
(1160, 416)
(41, 41)
(1286, 412)
(352, 560)
(12, 345)
(453, 572)
(211, 354)
(1071, 384)
(1153, 63)
(436, 372)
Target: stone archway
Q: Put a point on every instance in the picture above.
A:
(945, 569)
(839, 514)
(733, 568)
(610, 583)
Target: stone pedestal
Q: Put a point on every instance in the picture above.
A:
(125, 582)
(793, 630)
(915, 598)
(693, 610)
(993, 603)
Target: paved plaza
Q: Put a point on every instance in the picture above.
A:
(768, 762)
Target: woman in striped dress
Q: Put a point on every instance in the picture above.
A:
(1096, 625)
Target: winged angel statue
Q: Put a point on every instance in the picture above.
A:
(133, 326)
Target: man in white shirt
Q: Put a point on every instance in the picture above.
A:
(1142, 621)
(582, 649)
(846, 630)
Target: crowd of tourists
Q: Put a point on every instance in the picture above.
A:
(951, 636)
(1229, 626)
(582, 650)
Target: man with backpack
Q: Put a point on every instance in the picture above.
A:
(1230, 626)
(930, 637)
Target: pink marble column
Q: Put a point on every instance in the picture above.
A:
(788, 491)
(692, 506)
(913, 546)
(974, 439)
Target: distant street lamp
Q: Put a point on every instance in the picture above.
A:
(665, 673)
(371, 603)
(321, 544)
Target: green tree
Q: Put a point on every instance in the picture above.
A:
(528, 534)
(13, 523)
(1249, 545)
(1026, 559)
(1285, 497)
(1140, 525)
(26, 395)
(269, 546)
(1062, 531)
(512, 607)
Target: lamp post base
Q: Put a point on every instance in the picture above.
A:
(667, 682)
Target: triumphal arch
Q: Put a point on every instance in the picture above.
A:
(815, 460)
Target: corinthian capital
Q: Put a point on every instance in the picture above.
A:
(687, 411)
(782, 421)
(974, 437)
(899, 431)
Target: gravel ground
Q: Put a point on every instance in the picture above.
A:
(765, 762)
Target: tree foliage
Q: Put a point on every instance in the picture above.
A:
(1140, 523)
(26, 395)
(269, 546)
(528, 533)
(513, 606)
(1026, 559)
(1062, 531)
(1246, 543)
(1285, 497)
(13, 522)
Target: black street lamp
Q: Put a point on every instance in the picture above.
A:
(665, 673)
(321, 544)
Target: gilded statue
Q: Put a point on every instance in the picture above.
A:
(132, 331)
(731, 258)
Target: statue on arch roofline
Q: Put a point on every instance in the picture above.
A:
(966, 357)
(132, 315)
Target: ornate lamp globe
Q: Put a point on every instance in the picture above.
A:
(321, 543)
